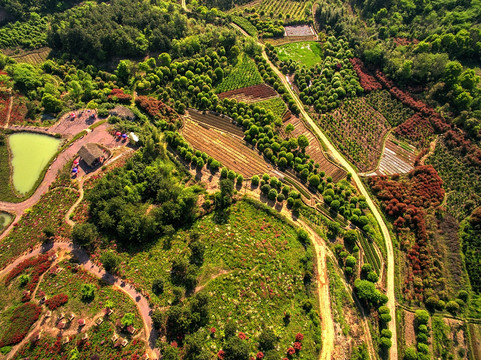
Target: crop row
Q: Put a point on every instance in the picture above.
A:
(243, 74)
(370, 253)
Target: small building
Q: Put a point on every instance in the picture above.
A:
(131, 330)
(71, 317)
(66, 340)
(61, 325)
(125, 342)
(81, 322)
(99, 321)
(91, 154)
(115, 338)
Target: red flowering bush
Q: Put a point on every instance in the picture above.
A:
(260, 355)
(212, 330)
(221, 354)
(417, 128)
(155, 108)
(20, 322)
(368, 82)
(299, 337)
(120, 96)
(242, 336)
(56, 301)
(298, 346)
(291, 351)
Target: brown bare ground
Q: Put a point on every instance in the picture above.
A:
(251, 93)
(409, 334)
(229, 150)
(475, 346)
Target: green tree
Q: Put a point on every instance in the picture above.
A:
(268, 340)
(302, 141)
(51, 103)
(84, 234)
(110, 260)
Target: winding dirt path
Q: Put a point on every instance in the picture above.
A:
(393, 351)
(9, 112)
(140, 301)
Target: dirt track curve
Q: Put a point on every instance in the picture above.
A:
(393, 352)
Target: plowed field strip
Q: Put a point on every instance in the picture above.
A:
(315, 150)
(221, 123)
(230, 151)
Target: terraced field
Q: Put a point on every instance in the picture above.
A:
(229, 150)
(398, 158)
(34, 57)
(251, 93)
(315, 149)
(222, 123)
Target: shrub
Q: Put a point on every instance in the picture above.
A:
(240, 179)
(231, 175)
(423, 348)
(255, 180)
(84, 234)
(410, 354)
(280, 197)
(267, 340)
(452, 306)
(23, 280)
(386, 318)
(56, 301)
(421, 317)
(236, 349)
(272, 195)
(385, 342)
(350, 261)
(422, 338)
(158, 286)
(87, 292)
(127, 319)
(463, 295)
(224, 172)
(372, 277)
(423, 329)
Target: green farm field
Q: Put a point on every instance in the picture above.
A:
(307, 53)
(244, 73)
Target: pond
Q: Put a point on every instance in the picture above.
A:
(5, 220)
(30, 154)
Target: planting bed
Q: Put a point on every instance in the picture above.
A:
(251, 93)
(230, 151)
(392, 109)
(357, 129)
(398, 158)
(315, 149)
(276, 105)
(296, 10)
(219, 122)
(33, 57)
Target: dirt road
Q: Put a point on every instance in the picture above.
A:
(393, 352)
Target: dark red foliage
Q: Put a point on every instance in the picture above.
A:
(298, 346)
(291, 351)
(299, 337)
(407, 200)
(56, 301)
(155, 108)
(367, 81)
(260, 355)
(120, 96)
(221, 354)
(20, 322)
(464, 147)
(417, 128)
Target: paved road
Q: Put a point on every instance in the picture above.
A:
(393, 352)
(141, 302)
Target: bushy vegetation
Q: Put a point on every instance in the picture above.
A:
(31, 34)
(471, 237)
(243, 74)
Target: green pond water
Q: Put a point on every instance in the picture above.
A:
(30, 154)
(5, 220)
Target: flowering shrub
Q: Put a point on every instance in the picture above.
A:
(260, 355)
(297, 346)
(120, 96)
(417, 129)
(155, 108)
(221, 354)
(20, 322)
(299, 337)
(242, 336)
(56, 301)
(368, 82)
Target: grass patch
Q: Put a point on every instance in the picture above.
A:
(243, 74)
(307, 53)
